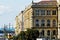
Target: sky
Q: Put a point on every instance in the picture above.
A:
(9, 9)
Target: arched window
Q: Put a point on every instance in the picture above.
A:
(48, 22)
(37, 22)
(48, 32)
(54, 32)
(42, 33)
(42, 22)
(54, 23)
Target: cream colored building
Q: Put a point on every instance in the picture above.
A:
(45, 17)
(59, 19)
(19, 23)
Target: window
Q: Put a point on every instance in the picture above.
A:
(37, 22)
(37, 12)
(42, 12)
(48, 22)
(53, 38)
(48, 32)
(59, 5)
(54, 32)
(48, 12)
(54, 12)
(54, 23)
(42, 22)
(42, 32)
(47, 38)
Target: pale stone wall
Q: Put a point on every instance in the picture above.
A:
(27, 19)
(58, 19)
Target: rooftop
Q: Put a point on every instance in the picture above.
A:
(45, 3)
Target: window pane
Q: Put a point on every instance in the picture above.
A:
(37, 12)
(53, 38)
(42, 12)
(37, 22)
(54, 32)
(54, 23)
(54, 12)
(48, 32)
(42, 22)
(42, 32)
(48, 12)
(48, 22)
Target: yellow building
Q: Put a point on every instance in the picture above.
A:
(19, 23)
(59, 19)
(43, 16)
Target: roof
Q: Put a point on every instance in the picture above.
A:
(47, 3)
(48, 0)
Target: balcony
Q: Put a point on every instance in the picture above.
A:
(44, 27)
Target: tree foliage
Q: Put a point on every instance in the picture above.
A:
(30, 34)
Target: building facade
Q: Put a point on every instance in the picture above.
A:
(59, 19)
(43, 16)
(19, 23)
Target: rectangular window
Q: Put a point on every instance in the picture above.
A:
(54, 12)
(37, 12)
(42, 25)
(42, 12)
(37, 25)
(48, 12)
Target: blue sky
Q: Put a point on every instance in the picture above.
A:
(9, 9)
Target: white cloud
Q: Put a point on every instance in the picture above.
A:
(4, 9)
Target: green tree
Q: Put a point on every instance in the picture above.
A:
(30, 34)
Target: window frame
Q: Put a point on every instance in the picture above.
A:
(37, 12)
(48, 23)
(53, 12)
(48, 12)
(54, 23)
(42, 23)
(37, 22)
(42, 12)
(54, 32)
(48, 32)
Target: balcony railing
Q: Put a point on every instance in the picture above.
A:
(44, 27)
